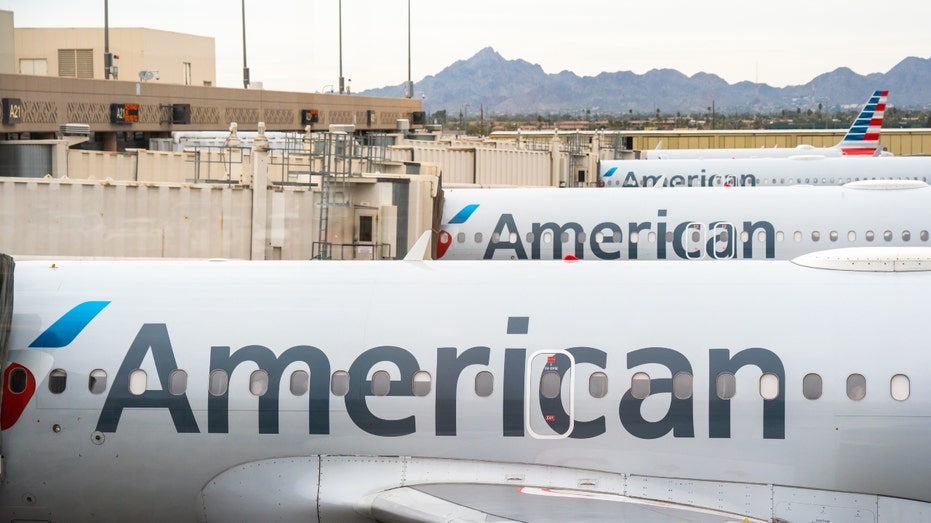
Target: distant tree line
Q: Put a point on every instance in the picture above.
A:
(812, 118)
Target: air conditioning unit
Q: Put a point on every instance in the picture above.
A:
(75, 129)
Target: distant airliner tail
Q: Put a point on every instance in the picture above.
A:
(863, 136)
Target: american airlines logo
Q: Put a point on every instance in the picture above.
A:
(687, 240)
(679, 180)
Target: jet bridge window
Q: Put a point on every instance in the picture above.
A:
(484, 384)
(177, 382)
(598, 384)
(57, 380)
(726, 385)
(97, 381)
(811, 386)
(899, 387)
(856, 387)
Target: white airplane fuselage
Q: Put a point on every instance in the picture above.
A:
(717, 223)
(799, 170)
(162, 453)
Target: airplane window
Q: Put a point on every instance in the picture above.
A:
(550, 383)
(478, 237)
(906, 236)
(797, 236)
(634, 237)
(651, 237)
(339, 383)
(899, 387)
(851, 236)
(564, 237)
(529, 237)
(258, 383)
(923, 235)
(780, 236)
(599, 237)
(177, 382)
(137, 382)
(219, 381)
(769, 386)
(57, 379)
(640, 385)
(460, 237)
(422, 381)
(547, 237)
(484, 384)
(381, 383)
(668, 236)
(833, 236)
(815, 235)
(512, 238)
(598, 384)
(580, 237)
(300, 382)
(726, 385)
(97, 381)
(744, 236)
(869, 236)
(17, 381)
(495, 237)
(696, 236)
(811, 386)
(887, 236)
(682, 385)
(856, 387)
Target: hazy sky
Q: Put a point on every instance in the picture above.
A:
(293, 45)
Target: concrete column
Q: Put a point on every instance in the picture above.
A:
(260, 150)
(556, 179)
(109, 142)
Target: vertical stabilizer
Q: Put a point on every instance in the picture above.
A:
(863, 136)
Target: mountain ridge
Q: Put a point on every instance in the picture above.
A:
(502, 86)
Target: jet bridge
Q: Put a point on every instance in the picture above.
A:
(6, 316)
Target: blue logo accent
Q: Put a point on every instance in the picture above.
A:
(464, 214)
(609, 172)
(63, 331)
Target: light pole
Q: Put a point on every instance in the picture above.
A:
(341, 86)
(245, 68)
(410, 84)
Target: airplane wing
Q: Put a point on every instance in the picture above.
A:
(363, 489)
(499, 504)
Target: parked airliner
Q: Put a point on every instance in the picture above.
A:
(422, 391)
(692, 223)
(862, 139)
(810, 170)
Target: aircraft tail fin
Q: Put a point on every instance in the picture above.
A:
(863, 137)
